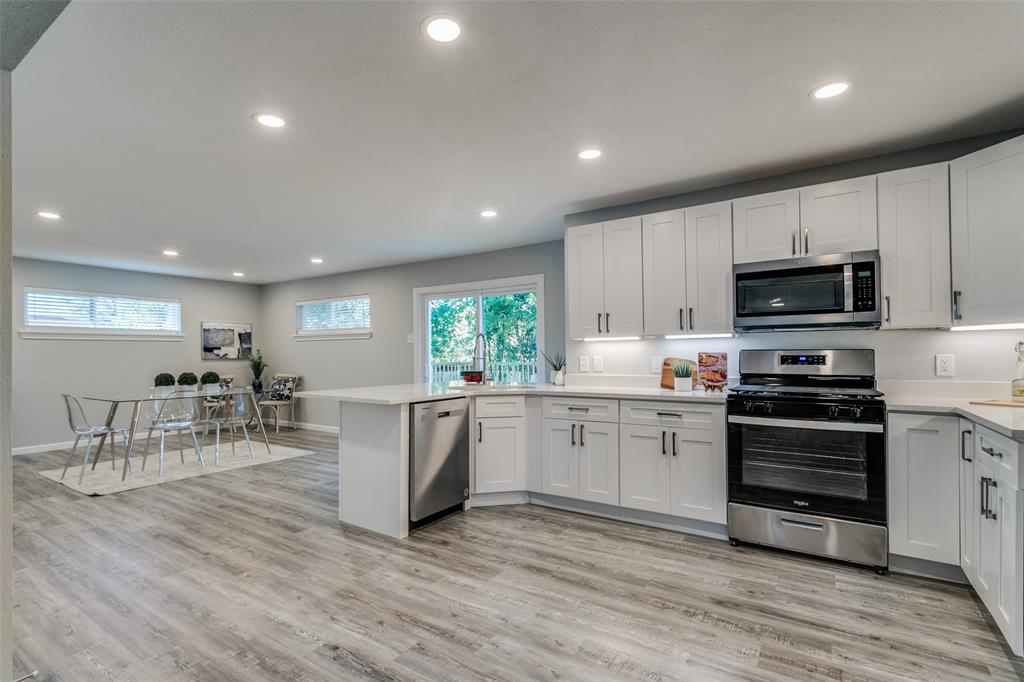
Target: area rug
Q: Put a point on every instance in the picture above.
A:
(104, 481)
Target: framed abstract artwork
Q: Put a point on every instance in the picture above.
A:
(227, 340)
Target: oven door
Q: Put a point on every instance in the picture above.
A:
(804, 292)
(829, 468)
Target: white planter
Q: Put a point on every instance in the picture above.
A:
(188, 390)
(557, 378)
(684, 385)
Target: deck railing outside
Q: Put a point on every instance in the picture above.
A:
(501, 372)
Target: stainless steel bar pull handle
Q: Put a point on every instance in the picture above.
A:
(479, 432)
(573, 408)
(988, 503)
(681, 326)
(599, 323)
(573, 437)
(981, 496)
(581, 435)
(963, 447)
(991, 452)
(669, 414)
(956, 305)
(607, 323)
(807, 241)
(794, 242)
(663, 450)
(691, 319)
(674, 450)
(888, 309)
(802, 524)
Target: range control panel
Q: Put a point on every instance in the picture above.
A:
(863, 287)
(802, 360)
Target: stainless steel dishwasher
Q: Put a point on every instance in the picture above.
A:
(439, 456)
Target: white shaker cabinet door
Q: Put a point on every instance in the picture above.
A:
(986, 199)
(765, 226)
(924, 487)
(838, 217)
(623, 278)
(500, 454)
(664, 273)
(969, 502)
(561, 471)
(913, 244)
(599, 462)
(584, 280)
(644, 468)
(698, 477)
(709, 268)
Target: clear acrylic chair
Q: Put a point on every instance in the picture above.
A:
(83, 429)
(177, 412)
(233, 409)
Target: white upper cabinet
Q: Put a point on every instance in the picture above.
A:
(765, 226)
(604, 279)
(623, 278)
(709, 268)
(664, 244)
(987, 230)
(584, 279)
(913, 244)
(923, 461)
(837, 217)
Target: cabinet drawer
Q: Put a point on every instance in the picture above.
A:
(673, 415)
(587, 409)
(1001, 454)
(500, 406)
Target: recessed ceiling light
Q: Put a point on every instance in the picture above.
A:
(170, 252)
(269, 120)
(831, 90)
(49, 215)
(442, 29)
(316, 261)
(238, 274)
(488, 213)
(590, 154)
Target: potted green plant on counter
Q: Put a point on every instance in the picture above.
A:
(683, 372)
(257, 365)
(211, 382)
(188, 381)
(163, 384)
(557, 364)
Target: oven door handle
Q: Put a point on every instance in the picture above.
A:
(807, 424)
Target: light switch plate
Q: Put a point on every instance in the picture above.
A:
(598, 363)
(410, 338)
(584, 363)
(945, 366)
(656, 362)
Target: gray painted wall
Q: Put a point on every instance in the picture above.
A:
(388, 357)
(43, 369)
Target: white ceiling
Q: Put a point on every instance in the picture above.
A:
(132, 119)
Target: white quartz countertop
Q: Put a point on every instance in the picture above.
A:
(1009, 421)
(400, 394)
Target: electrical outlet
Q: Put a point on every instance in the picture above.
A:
(598, 363)
(945, 366)
(584, 363)
(409, 338)
(656, 362)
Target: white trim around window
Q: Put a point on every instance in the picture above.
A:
(421, 296)
(358, 325)
(95, 316)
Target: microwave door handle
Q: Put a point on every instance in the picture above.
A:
(848, 287)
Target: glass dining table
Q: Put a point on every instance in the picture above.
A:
(136, 402)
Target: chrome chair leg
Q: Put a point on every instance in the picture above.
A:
(85, 460)
(249, 443)
(71, 456)
(199, 449)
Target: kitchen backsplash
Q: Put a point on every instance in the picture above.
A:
(979, 355)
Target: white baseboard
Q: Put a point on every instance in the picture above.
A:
(497, 499)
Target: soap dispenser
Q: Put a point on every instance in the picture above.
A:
(1017, 385)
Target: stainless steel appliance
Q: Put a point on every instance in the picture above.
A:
(438, 457)
(807, 454)
(816, 292)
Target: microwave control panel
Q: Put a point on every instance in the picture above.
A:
(863, 287)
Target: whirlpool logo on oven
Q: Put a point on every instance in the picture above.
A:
(801, 503)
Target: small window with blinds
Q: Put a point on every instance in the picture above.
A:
(344, 317)
(52, 311)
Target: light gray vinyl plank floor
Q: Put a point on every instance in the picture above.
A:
(247, 575)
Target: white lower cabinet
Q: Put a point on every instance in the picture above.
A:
(500, 454)
(581, 460)
(968, 500)
(923, 487)
(674, 471)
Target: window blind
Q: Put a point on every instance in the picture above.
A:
(106, 312)
(345, 315)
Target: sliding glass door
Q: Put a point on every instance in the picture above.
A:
(507, 317)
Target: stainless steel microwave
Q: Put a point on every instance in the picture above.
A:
(816, 292)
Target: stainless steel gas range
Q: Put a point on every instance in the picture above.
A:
(807, 455)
